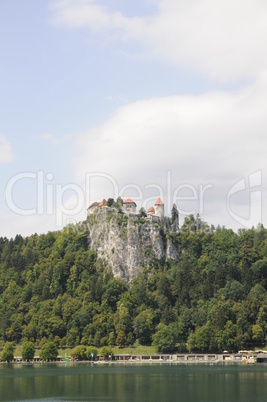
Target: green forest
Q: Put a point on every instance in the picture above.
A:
(211, 298)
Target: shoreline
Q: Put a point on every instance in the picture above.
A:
(120, 362)
(181, 359)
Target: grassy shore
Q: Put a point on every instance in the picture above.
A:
(134, 350)
(138, 350)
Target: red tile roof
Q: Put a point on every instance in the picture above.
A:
(103, 203)
(129, 201)
(95, 204)
(100, 204)
(159, 202)
(151, 210)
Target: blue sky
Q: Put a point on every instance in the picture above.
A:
(166, 97)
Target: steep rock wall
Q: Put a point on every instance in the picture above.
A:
(127, 243)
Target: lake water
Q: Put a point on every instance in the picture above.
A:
(140, 383)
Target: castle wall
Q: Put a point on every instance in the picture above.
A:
(129, 208)
(153, 218)
(159, 210)
(91, 210)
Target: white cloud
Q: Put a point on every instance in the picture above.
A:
(86, 13)
(214, 139)
(224, 39)
(6, 154)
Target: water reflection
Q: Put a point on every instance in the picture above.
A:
(140, 383)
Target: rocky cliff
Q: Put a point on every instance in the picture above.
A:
(128, 243)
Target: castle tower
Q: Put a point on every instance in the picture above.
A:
(159, 208)
(151, 211)
(129, 206)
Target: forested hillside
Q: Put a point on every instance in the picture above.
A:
(212, 297)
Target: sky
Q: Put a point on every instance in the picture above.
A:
(143, 99)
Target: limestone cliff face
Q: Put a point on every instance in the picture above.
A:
(127, 243)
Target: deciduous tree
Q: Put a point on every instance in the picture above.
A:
(8, 352)
(28, 351)
(48, 351)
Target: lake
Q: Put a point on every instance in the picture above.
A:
(140, 383)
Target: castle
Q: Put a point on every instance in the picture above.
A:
(154, 214)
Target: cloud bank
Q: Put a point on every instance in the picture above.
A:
(223, 39)
(215, 139)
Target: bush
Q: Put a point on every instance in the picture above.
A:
(142, 212)
(110, 202)
(119, 203)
